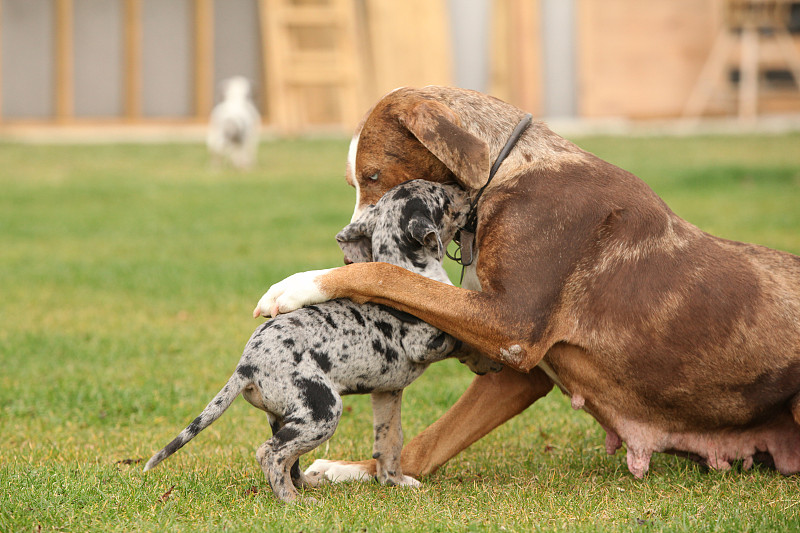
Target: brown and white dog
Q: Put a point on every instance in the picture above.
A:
(673, 339)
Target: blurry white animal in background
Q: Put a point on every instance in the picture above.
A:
(233, 132)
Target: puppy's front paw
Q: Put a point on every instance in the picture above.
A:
(292, 293)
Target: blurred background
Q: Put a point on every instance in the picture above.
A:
(318, 65)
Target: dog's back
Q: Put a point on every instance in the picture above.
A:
(350, 348)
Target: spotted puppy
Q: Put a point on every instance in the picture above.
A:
(297, 366)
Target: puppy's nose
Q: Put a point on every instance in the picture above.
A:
(347, 261)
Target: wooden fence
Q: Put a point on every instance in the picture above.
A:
(319, 64)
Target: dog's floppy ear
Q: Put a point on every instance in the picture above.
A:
(355, 239)
(356, 243)
(353, 232)
(459, 208)
(438, 128)
(423, 230)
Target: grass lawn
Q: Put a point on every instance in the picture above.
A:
(127, 278)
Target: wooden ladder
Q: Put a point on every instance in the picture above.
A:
(745, 25)
(312, 73)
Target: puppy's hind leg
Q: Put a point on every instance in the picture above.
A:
(279, 456)
(299, 479)
(389, 438)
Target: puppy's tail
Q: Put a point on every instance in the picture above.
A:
(213, 411)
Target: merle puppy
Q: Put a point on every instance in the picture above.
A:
(297, 366)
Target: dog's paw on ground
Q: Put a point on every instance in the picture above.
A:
(410, 482)
(323, 470)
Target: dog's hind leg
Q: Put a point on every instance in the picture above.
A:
(278, 476)
(279, 456)
(389, 438)
(299, 479)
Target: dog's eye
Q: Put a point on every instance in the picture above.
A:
(374, 177)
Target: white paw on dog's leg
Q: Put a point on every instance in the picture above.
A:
(410, 482)
(341, 472)
(335, 472)
(292, 293)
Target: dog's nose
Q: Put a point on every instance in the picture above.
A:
(347, 261)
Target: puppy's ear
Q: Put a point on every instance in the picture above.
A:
(363, 226)
(355, 243)
(423, 230)
(438, 128)
(458, 207)
(353, 232)
(355, 239)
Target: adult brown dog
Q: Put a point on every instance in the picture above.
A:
(673, 339)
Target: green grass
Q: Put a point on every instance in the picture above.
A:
(127, 277)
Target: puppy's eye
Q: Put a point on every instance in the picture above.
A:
(374, 177)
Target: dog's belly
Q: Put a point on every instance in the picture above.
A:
(692, 349)
(254, 397)
(776, 442)
(714, 425)
(373, 375)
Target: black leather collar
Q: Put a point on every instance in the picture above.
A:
(465, 238)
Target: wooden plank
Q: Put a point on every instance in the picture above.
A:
(410, 58)
(788, 50)
(748, 74)
(641, 59)
(266, 81)
(133, 59)
(319, 73)
(1, 63)
(313, 15)
(366, 67)
(710, 76)
(527, 83)
(64, 61)
(516, 66)
(500, 70)
(203, 58)
(273, 45)
(350, 96)
(310, 80)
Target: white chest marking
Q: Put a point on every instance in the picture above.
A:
(351, 169)
(471, 280)
(552, 375)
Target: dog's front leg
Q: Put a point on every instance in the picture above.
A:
(292, 293)
(388, 438)
(489, 321)
(490, 401)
